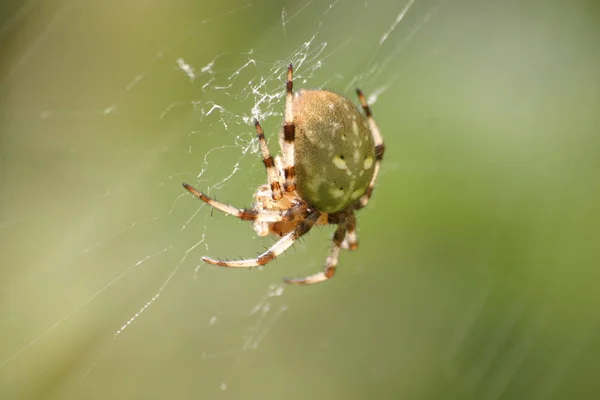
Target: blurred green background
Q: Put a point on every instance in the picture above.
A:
(477, 273)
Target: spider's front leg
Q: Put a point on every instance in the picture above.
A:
(272, 171)
(289, 134)
(244, 214)
(279, 247)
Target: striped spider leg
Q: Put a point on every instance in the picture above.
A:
(379, 149)
(341, 240)
(289, 134)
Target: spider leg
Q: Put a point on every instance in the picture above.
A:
(379, 149)
(279, 247)
(289, 135)
(330, 264)
(351, 239)
(244, 214)
(272, 173)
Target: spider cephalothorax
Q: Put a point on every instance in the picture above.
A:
(328, 167)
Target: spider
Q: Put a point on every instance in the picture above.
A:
(327, 170)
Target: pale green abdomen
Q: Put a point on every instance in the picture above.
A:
(334, 150)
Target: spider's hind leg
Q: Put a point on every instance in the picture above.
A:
(348, 219)
(379, 149)
(350, 241)
(330, 264)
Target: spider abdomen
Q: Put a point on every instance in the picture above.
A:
(334, 150)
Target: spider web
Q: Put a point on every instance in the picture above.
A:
(107, 108)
